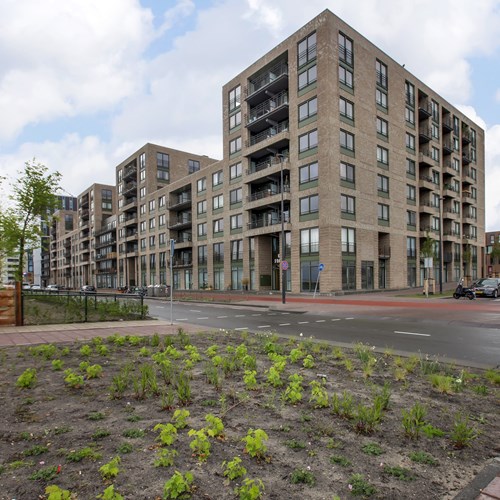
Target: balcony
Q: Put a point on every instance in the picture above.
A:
(450, 214)
(451, 235)
(467, 198)
(106, 270)
(447, 122)
(384, 252)
(447, 147)
(424, 134)
(130, 172)
(267, 223)
(274, 108)
(277, 136)
(180, 201)
(182, 263)
(179, 222)
(427, 182)
(129, 188)
(272, 80)
(466, 159)
(428, 207)
(130, 203)
(424, 109)
(425, 158)
(449, 168)
(130, 219)
(267, 195)
(466, 135)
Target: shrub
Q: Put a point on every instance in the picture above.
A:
(27, 379)
(233, 469)
(254, 443)
(250, 489)
(302, 476)
(360, 487)
(462, 433)
(111, 469)
(178, 485)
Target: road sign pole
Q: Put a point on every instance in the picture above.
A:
(320, 268)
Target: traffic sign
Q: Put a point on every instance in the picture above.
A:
(284, 265)
(321, 267)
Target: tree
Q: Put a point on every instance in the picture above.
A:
(34, 198)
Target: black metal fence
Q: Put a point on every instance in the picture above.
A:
(41, 307)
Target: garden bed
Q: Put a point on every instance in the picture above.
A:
(239, 415)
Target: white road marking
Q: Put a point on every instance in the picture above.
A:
(194, 311)
(320, 320)
(284, 324)
(220, 317)
(285, 313)
(160, 307)
(264, 326)
(413, 333)
(302, 322)
(242, 328)
(335, 319)
(181, 319)
(348, 318)
(204, 317)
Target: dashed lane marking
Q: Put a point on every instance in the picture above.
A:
(181, 319)
(221, 317)
(264, 326)
(302, 322)
(204, 317)
(284, 324)
(349, 318)
(320, 320)
(413, 333)
(335, 319)
(242, 328)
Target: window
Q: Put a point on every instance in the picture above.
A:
(161, 220)
(347, 204)
(381, 98)
(142, 192)
(306, 49)
(383, 212)
(143, 243)
(202, 207)
(382, 155)
(217, 178)
(346, 140)
(152, 239)
(308, 173)
(410, 116)
(142, 175)
(410, 167)
(152, 223)
(346, 77)
(193, 166)
(218, 226)
(348, 239)
(411, 193)
(309, 204)
(435, 153)
(107, 199)
(383, 184)
(382, 127)
(347, 172)
(410, 94)
(308, 141)
(411, 247)
(142, 161)
(162, 239)
(410, 141)
(308, 108)
(307, 77)
(309, 241)
(202, 254)
(202, 229)
(235, 145)
(435, 223)
(411, 218)
(218, 252)
(381, 70)
(235, 120)
(218, 202)
(235, 98)
(235, 171)
(434, 131)
(152, 205)
(473, 193)
(435, 111)
(162, 166)
(236, 221)
(235, 196)
(346, 108)
(345, 49)
(161, 201)
(201, 185)
(142, 209)
(237, 250)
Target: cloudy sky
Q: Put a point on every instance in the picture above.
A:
(84, 83)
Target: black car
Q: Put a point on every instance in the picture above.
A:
(487, 287)
(88, 289)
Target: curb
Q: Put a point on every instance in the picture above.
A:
(486, 485)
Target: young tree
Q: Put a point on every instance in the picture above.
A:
(34, 198)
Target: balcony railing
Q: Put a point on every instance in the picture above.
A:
(268, 106)
(281, 68)
(266, 220)
(268, 133)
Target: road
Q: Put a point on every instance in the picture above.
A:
(457, 334)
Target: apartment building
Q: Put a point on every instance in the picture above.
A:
(492, 254)
(338, 164)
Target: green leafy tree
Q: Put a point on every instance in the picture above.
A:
(33, 199)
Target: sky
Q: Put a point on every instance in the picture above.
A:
(85, 83)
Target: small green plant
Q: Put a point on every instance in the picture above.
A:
(372, 449)
(343, 405)
(296, 355)
(430, 431)
(83, 366)
(178, 486)
(302, 476)
(481, 389)
(463, 433)
(57, 365)
(86, 351)
(442, 383)
(249, 378)
(398, 472)
(124, 448)
(44, 474)
(179, 418)
(100, 434)
(111, 469)
(421, 457)
(94, 371)
(215, 427)
(293, 392)
(85, 453)
(27, 379)
(366, 419)
(53, 492)
(308, 362)
(133, 433)
(274, 377)
(183, 387)
(168, 433)
(295, 445)
(493, 376)
(96, 415)
(233, 469)
(73, 380)
(360, 487)
(200, 444)
(250, 489)
(319, 394)
(110, 494)
(255, 443)
(102, 350)
(165, 457)
(340, 460)
(414, 420)
(35, 450)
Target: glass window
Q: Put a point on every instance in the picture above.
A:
(236, 196)
(308, 108)
(348, 240)
(202, 229)
(235, 145)
(142, 192)
(235, 98)
(235, 120)
(306, 49)
(411, 247)
(383, 212)
(410, 116)
(218, 252)
(382, 127)
(381, 98)
(309, 204)
(307, 77)
(218, 202)
(383, 183)
(235, 170)
(346, 77)
(308, 141)
(411, 192)
(346, 108)
(347, 204)
(218, 226)
(347, 172)
(345, 49)
(410, 141)
(237, 250)
(309, 241)
(202, 207)
(381, 71)
(308, 173)
(217, 178)
(382, 155)
(346, 140)
(202, 254)
(201, 185)
(236, 221)
(410, 94)
(411, 218)
(193, 166)
(410, 166)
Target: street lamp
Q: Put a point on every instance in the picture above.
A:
(283, 243)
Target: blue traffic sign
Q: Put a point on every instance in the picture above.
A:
(321, 267)
(284, 265)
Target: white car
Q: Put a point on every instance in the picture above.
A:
(36, 287)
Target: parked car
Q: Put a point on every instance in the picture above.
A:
(88, 289)
(54, 288)
(36, 287)
(487, 287)
(26, 286)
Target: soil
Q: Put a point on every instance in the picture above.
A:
(312, 452)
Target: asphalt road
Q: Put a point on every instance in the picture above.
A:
(463, 336)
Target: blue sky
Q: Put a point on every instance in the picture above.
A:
(84, 83)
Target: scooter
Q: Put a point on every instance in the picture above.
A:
(462, 291)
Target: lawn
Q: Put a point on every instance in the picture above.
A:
(218, 415)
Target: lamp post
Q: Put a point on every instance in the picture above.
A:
(283, 243)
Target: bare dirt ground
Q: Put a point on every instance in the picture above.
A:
(306, 419)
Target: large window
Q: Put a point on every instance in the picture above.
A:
(346, 140)
(308, 108)
(381, 73)
(309, 276)
(347, 172)
(202, 207)
(308, 141)
(382, 184)
(411, 247)
(235, 145)
(348, 274)
(162, 166)
(309, 241)
(237, 250)
(202, 254)
(218, 252)
(306, 49)
(381, 98)
(193, 166)
(346, 77)
(348, 240)
(235, 120)
(346, 108)
(411, 218)
(410, 167)
(236, 196)
(235, 98)
(383, 212)
(308, 173)
(411, 193)
(236, 221)
(235, 171)
(410, 94)
(202, 229)
(218, 226)
(218, 202)
(107, 199)
(309, 204)
(308, 76)
(345, 49)
(382, 127)
(382, 155)
(217, 178)
(347, 204)
(201, 185)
